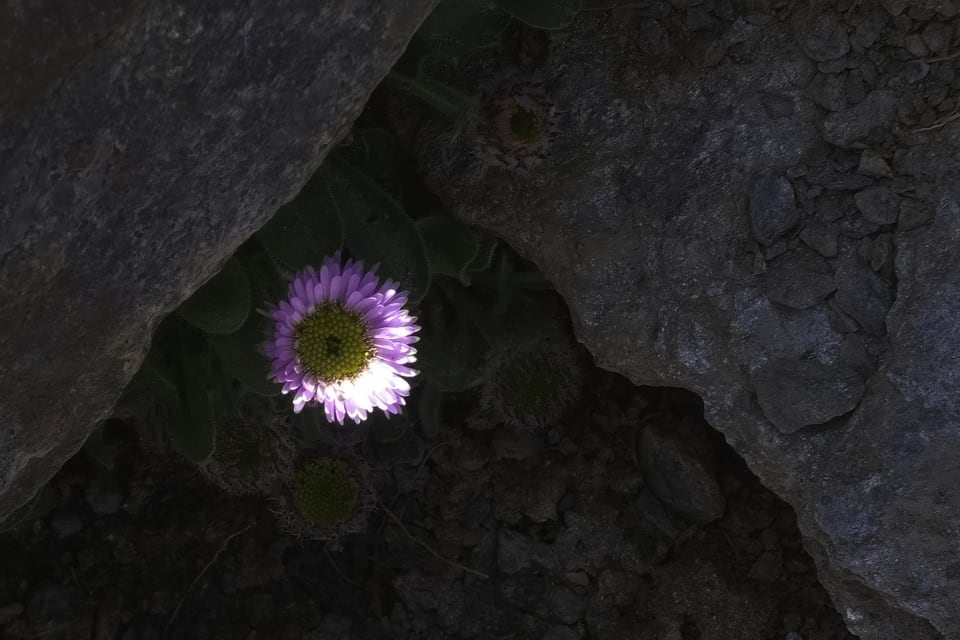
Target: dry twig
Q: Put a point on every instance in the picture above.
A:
(951, 56)
(206, 568)
(953, 115)
(428, 548)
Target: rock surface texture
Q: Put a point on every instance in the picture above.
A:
(764, 208)
(140, 144)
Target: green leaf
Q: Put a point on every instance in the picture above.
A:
(377, 153)
(439, 95)
(453, 360)
(222, 304)
(456, 27)
(266, 284)
(376, 228)
(543, 14)
(243, 358)
(485, 253)
(473, 310)
(305, 230)
(194, 434)
(451, 246)
(151, 400)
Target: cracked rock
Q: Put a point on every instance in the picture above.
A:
(872, 164)
(798, 393)
(821, 34)
(863, 295)
(913, 214)
(843, 128)
(819, 238)
(799, 279)
(773, 209)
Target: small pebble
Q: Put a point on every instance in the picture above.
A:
(820, 239)
(936, 36)
(882, 258)
(797, 393)
(863, 295)
(799, 279)
(843, 128)
(773, 208)
(872, 164)
(878, 205)
(820, 33)
(916, 46)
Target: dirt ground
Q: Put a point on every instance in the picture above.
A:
(481, 531)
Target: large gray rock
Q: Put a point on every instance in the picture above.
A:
(642, 217)
(140, 144)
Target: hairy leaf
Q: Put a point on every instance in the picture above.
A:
(376, 228)
(222, 304)
(243, 358)
(451, 246)
(439, 95)
(543, 14)
(194, 434)
(305, 230)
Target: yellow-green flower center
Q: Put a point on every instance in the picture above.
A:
(325, 492)
(525, 124)
(332, 343)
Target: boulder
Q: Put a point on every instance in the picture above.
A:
(141, 143)
(645, 213)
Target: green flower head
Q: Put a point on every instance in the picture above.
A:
(532, 385)
(325, 493)
(244, 450)
(252, 455)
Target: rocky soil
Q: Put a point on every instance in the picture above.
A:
(629, 519)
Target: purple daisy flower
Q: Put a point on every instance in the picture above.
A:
(343, 340)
